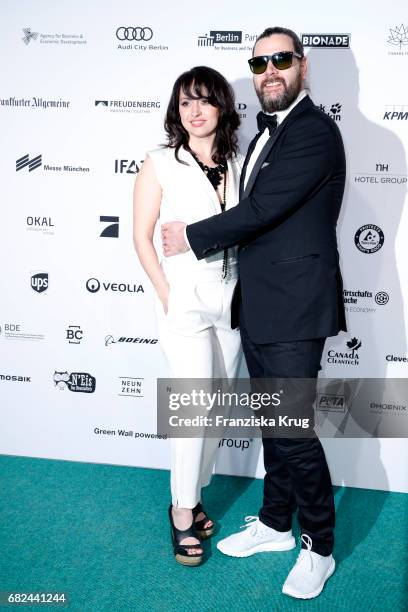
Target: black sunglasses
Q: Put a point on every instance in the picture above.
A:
(281, 60)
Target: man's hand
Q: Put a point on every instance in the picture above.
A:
(173, 238)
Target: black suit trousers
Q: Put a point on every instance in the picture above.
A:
(297, 475)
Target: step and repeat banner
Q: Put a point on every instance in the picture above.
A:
(83, 94)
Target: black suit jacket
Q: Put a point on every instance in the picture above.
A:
(285, 223)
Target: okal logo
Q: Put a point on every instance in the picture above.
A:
(25, 162)
(111, 230)
(134, 33)
(94, 285)
(39, 282)
(74, 334)
(369, 238)
(348, 357)
(79, 382)
(398, 36)
(40, 224)
(324, 41)
(29, 36)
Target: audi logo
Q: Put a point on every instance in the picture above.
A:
(134, 33)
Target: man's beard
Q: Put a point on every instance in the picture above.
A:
(284, 100)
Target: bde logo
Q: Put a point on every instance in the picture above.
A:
(39, 282)
(369, 238)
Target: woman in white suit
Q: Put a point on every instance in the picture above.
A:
(195, 175)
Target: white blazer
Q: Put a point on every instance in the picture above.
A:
(188, 196)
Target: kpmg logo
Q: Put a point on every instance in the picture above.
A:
(39, 282)
(398, 37)
(369, 238)
(347, 357)
(129, 106)
(26, 162)
(29, 36)
(78, 382)
(326, 41)
(134, 33)
(127, 166)
(333, 110)
(395, 112)
(111, 230)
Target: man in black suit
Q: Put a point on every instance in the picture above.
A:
(289, 298)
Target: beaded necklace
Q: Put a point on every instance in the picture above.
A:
(214, 175)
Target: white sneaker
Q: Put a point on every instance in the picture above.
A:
(309, 574)
(257, 537)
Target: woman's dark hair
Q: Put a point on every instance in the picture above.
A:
(204, 82)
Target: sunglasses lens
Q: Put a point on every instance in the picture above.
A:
(282, 61)
(258, 65)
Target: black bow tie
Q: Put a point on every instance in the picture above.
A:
(269, 121)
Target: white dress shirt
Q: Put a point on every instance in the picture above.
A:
(280, 116)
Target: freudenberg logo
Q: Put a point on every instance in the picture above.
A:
(369, 238)
(348, 357)
(129, 106)
(79, 382)
(326, 41)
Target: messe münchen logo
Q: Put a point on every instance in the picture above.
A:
(134, 33)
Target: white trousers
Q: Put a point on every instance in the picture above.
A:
(198, 342)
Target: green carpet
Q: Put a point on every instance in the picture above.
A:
(100, 533)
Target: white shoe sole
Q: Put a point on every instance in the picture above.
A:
(264, 547)
(312, 594)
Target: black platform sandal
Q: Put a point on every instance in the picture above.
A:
(203, 532)
(181, 550)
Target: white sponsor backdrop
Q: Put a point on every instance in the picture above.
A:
(91, 105)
